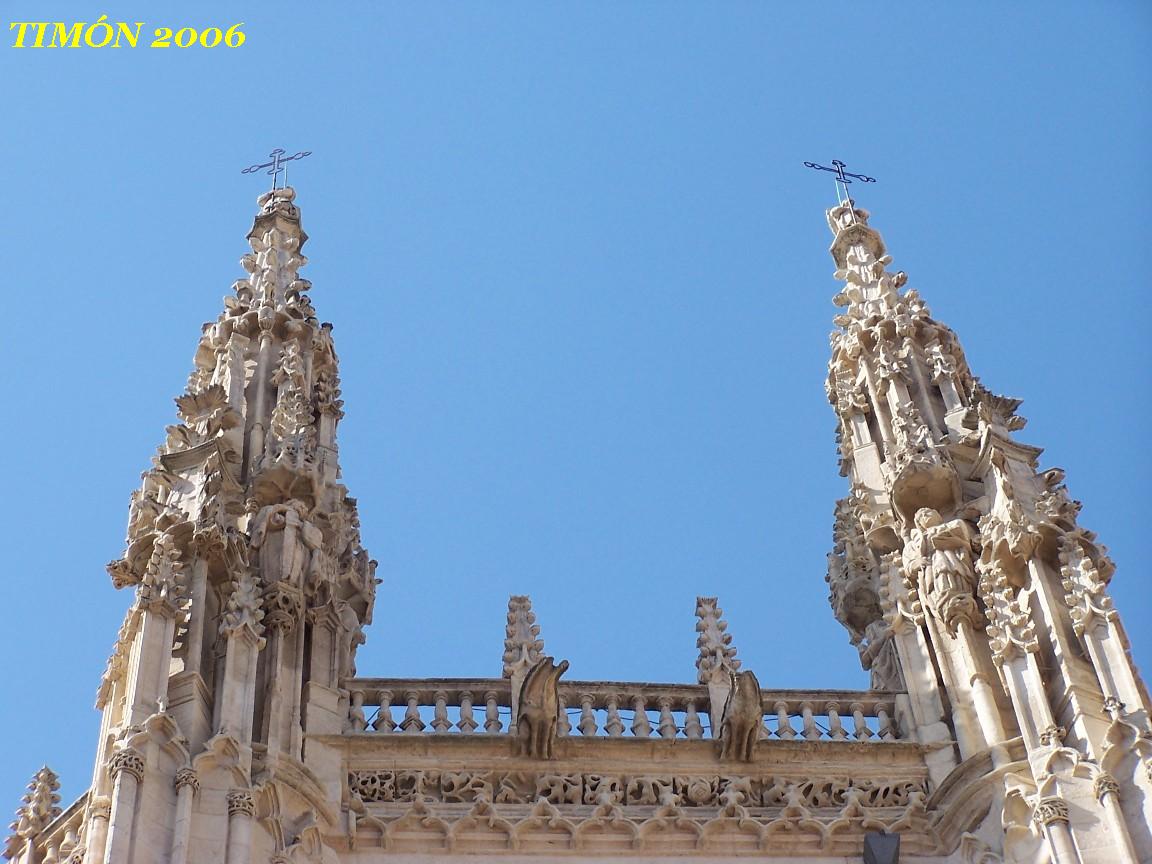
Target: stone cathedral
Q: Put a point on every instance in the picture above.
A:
(1004, 723)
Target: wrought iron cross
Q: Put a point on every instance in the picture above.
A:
(277, 166)
(841, 175)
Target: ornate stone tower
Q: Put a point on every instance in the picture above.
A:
(1004, 723)
(250, 586)
(962, 575)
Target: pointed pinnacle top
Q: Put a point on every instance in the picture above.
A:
(40, 806)
(522, 645)
(717, 658)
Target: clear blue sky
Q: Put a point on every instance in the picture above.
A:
(581, 291)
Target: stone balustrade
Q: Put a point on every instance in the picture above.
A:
(614, 710)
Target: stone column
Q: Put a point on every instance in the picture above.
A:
(1052, 816)
(127, 770)
(99, 810)
(241, 809)
(983, 698)
(196, 623)
(187, 785)
(1108, 794)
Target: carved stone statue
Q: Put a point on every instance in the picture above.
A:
(743, 718)
(285, 540)
(939, 553)
(539, 706)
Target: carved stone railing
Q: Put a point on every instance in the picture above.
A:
(613, 710)
(62, 836)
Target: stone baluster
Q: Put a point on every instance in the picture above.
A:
(641, 727)
(383, 721)
(440, 721)
(811, 730)
(563, 727)
(667, 724)
(835, 727)
(492, 723)
(613, 725)
(860, 732)
(412, 724)
(784, 728)
(356, 711)
(587, 724)
(467, 723)
(692, 727)
(887, 729)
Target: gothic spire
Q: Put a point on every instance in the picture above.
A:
(958, 566)
(252, 588)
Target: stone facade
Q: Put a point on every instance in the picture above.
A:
(1005, 721)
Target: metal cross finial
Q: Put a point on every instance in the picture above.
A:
(277, 166)
(841, 175)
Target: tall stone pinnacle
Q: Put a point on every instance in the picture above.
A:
(958, 566)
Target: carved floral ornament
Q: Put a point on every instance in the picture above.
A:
(241, 802)
(127, 760)
(733, 822)
(1050, 811)
(692, 791)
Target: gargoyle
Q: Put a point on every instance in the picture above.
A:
(539, 707)
(743, 718)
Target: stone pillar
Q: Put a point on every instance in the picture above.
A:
(127, 770)
(194, 651)
(99, 811)
(983, 697)
(1051, 814)
(1108, 794)
(187, 784)
(241, 809)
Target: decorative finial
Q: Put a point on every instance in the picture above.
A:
(717, 660)
(278, 165)
(842, 178)
(522, 644)
(40, 806)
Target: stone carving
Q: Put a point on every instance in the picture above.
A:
(40, 806)
(539, 705)
(1010, 628)
(285, 540)
(465, 786)
(743, 719)
(244, 612)
(187, 777)
(649, 790)
(523, 646)
(717, 660)
(1050, 810)
(690, 792)
(128, 761)
(560, 788)
(939, 553)
(241, 801)
(1085, 588)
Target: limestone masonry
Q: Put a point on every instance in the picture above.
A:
(1005, 721)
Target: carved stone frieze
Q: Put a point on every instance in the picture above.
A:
(387, 786)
